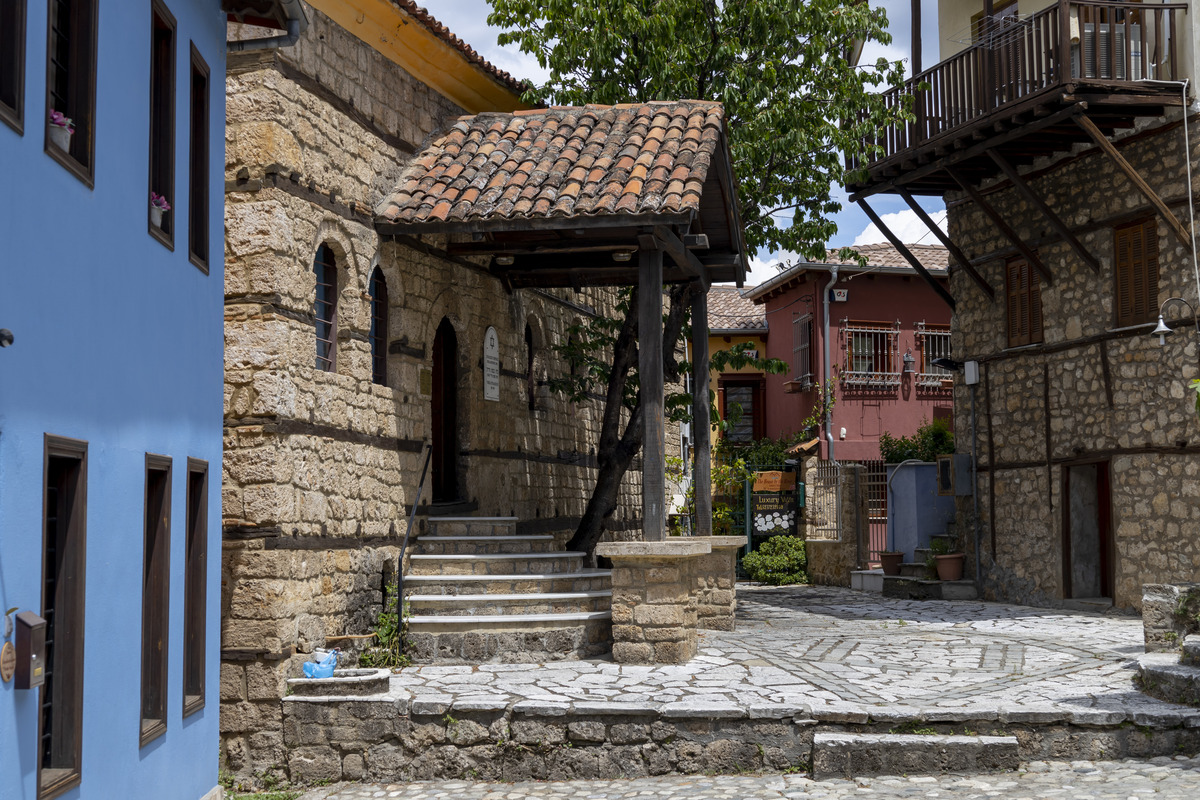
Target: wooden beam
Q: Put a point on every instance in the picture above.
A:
(1002, 226)
(1182, 233)
(650, 377)
(1055, 221)
(908, 256)
(674, 247)
(955, 251)
(701, 423)
(386, 227)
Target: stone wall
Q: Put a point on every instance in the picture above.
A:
(321, 468)
(1090, 393)
(831, 561)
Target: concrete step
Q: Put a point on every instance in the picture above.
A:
(1164, 677)
(905, 588)
(581, 581)
(913, 569)
(1097, 605)
(487, 605)
(499, 564)
(515, 639)
(920, 554)
(472, 526)
(482, 545)
(867, 580)
(1191, 651)
(848, 755)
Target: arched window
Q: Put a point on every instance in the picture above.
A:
(379, 327)
(530, 384)
(325, 308)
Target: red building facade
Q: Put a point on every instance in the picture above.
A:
(885, 328)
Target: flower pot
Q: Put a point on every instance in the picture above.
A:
(60, 137)
(891, 562)
(950, 567)
(156, 216)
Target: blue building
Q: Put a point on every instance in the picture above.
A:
(111, 391)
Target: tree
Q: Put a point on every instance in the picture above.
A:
(794, 104)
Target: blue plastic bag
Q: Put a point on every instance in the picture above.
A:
(323, 669)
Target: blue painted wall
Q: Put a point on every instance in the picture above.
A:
(915, 510)
(118, 342)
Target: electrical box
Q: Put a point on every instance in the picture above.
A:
(31, 651)
(971, 373)
(954, 475)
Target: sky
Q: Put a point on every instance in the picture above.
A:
(468, 19)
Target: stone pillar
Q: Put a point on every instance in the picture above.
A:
(654, 600)
(715, 581)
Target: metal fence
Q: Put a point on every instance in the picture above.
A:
(822, 510)
(877, 507)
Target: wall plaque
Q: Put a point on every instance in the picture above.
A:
(8, 662)
(425, 380)
(491, 365)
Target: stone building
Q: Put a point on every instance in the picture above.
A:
(348, 358)
(1064, 160)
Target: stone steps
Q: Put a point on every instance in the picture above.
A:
(479, 593)
(905, 588)
(1172, 676)
(481, 605)
(496, 564)
(849, 755)
(483, 545)
(558, 582)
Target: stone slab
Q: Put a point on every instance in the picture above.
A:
(674, 547)
(848, 755)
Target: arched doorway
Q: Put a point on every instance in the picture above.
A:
(444, 416)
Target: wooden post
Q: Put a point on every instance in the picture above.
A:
(916, 37)
(650, 370)
(701, 424)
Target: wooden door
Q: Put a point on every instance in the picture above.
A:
(444, 414)
(1087, 531)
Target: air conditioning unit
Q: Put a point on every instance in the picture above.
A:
(1102, 47)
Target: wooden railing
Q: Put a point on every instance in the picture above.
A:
(1073, 41)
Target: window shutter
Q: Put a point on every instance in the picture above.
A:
(1135, 272)
(1034, 284)
(1024, 292)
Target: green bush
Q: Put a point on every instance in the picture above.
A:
(778, 561)
(931, 440)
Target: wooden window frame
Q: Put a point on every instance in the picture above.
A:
(327, 277)
(378, 334)
(1127, 311)
(1031, 293)
(81, 102)
(195, 587)
(198, 161)
(757, 383)
(14, 44)
(161, 152)
(156, 596)
(65, 686)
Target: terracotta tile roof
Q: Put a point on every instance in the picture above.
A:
(931, 256)
(563, 161)
(729, 311)
(439, 30)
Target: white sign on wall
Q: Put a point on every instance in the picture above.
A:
(491, 365)
(841, 295)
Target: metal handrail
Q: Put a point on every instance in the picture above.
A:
(412, 518)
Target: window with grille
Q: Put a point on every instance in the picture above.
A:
(1136, 273)
(933, 342)
(802, 361)
(71, 84)
(1024, 292)
(325, 308)
(198, 165)
(162, 118)
(871, 358)
(12, 63)
(64, 556)
(156, 571)
(379, 327)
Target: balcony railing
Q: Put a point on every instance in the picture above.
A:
(1080, 42)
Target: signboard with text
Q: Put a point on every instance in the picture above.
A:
(491, 365)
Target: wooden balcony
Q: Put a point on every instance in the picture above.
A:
(1017, 90)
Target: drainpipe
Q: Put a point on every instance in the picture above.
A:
(297, 24)
(975, 490)
(833, 276)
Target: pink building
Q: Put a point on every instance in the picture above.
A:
(886, 326)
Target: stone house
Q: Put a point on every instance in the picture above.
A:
(1059, 143)
(356, 358)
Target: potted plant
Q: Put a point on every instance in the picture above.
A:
(891, 560)
(946, 560)
(158, 206)
(61, 130)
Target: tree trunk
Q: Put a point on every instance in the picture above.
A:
(617, 446)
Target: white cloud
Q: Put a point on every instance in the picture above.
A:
(907, 227)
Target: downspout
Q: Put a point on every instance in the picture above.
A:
(833, 276)
(975, 491)
(297, 24)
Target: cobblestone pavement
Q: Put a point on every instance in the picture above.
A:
(844, 654)
(1159, 778)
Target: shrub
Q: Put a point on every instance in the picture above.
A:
(778, 561)
(931, 440)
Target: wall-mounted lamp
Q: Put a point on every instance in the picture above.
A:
(621, 256)
(504, 261)
(1162, 331)
(948, 364)
(909, 360)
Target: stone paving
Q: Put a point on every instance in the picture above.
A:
(844, 656)
(1159, 778)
